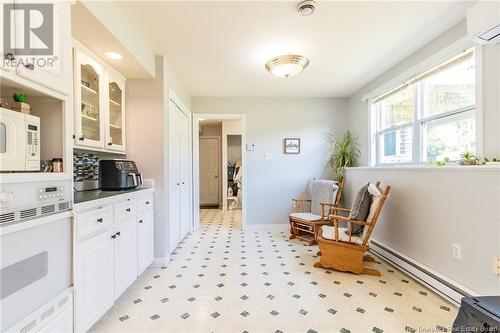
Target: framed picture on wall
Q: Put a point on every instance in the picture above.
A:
(292, 146)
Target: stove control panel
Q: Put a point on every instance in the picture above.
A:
(51, 193)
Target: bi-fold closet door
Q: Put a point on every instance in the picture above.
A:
(180, 175)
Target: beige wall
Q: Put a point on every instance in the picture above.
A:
(272, 183)
(147, 138)
(430, 209)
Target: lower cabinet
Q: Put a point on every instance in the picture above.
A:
(145, 233)
(125, 244)
(93, 279)
(109, 256)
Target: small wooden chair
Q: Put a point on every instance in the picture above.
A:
(343, 251)
(304, 224)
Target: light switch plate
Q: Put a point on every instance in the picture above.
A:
(250, 146)
(496, 266)
(268, 156)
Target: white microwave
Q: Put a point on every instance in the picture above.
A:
(19, 141)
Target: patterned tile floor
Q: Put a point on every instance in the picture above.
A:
(222, 279)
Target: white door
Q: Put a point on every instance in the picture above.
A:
(185, 172)
(93, 280)
(55, 71)
(175, 178)
(180, 176)
(209, 171)
(125, 255)
(145, 239)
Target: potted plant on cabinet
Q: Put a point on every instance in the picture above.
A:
(20, 103)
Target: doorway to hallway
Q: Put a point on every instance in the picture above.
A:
(219, 163)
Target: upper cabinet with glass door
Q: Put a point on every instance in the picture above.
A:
(116, 116)
(89, 87)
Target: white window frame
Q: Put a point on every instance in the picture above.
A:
(440, 57)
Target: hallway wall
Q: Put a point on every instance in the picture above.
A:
(272, 183)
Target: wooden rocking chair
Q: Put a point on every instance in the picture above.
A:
(343, 251)
(306, 225)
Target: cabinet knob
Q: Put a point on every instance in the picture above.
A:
(81, 138)
(140, 221)
(110, 143)
(9, 56)
(147, 202)
(178, 184)
(30, 66)
(128, 209)
(99, 220)
(182, 183)
(114, 236)
(118, 233)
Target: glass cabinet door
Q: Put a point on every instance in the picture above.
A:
(90, 110)
(116, 137)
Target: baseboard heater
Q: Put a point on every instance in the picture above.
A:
(450, 290)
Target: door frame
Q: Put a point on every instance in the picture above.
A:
(219, 162)
(196, 161)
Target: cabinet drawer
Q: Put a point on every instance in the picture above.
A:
(94, 221)
(124, 209)
(145, 202)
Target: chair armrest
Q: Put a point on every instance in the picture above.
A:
(342, 209)
(346, 219)
(302, 200)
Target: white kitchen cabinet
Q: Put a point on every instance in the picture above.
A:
(89, 106)
(115, 130)
(113, 245)
(125, 264)
(99, 105)
(53, 71)
(145, 240)
(93, 279)
(63, 323)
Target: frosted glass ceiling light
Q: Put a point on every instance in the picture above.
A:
(287, 65)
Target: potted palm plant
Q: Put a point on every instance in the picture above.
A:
(344, 153)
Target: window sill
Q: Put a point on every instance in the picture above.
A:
(431, 168)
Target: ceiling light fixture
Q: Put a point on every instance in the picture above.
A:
(113, 55)
(306, 7)
(287, 65)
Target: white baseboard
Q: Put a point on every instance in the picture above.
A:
(160, 262)
(267, 227)
(444, 286)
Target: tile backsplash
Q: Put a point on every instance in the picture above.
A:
(85, 166)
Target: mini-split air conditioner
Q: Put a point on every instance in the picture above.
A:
(483, 22)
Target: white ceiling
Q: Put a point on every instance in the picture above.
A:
(220, 48)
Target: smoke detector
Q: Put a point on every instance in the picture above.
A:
(306, 7)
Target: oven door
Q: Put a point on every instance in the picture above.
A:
(35, 267)
(12, 140)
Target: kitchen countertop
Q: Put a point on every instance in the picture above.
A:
(91, 195)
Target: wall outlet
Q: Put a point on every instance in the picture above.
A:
(496, 266)
(457, 251)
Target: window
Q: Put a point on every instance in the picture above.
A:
(429, 118)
